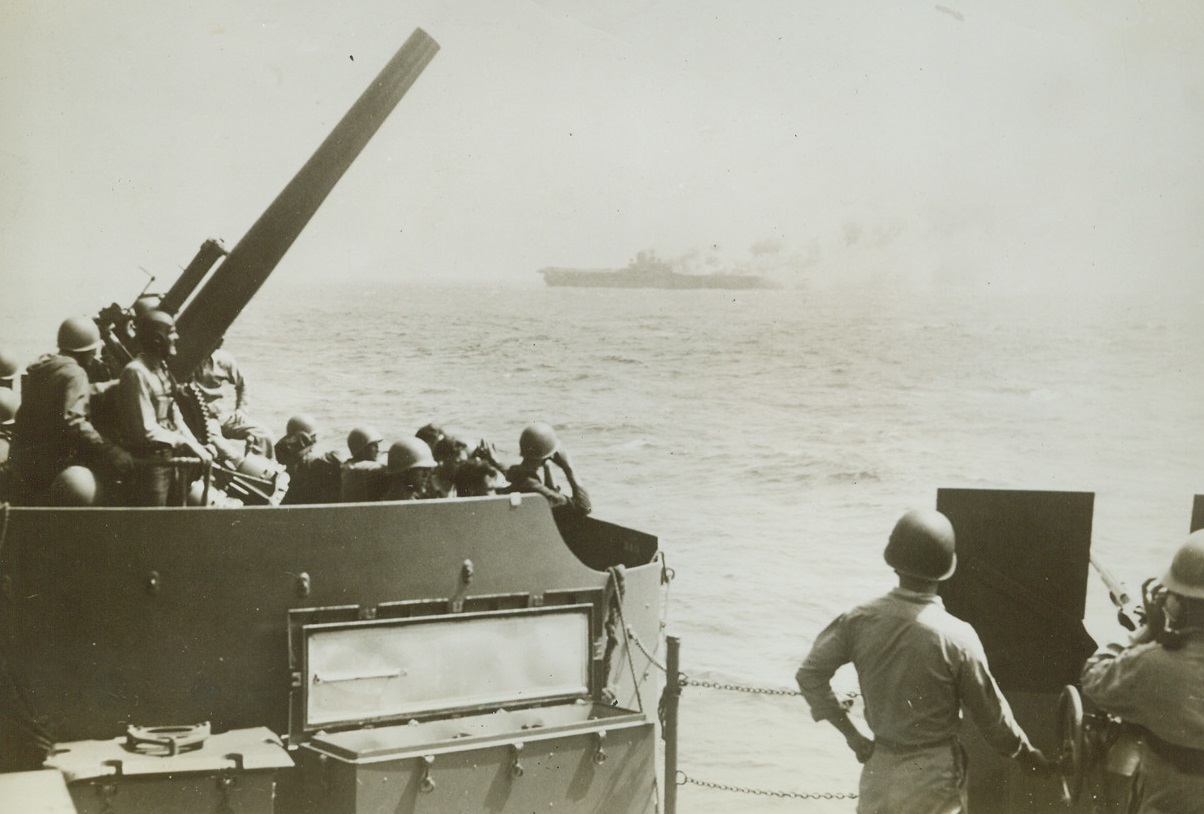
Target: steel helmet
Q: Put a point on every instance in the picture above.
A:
(537, 442)
(74, 486)
(430, 433)
(8, 406)
(921, 545)
(302, 423)
(409, 453)
(78, 335)
(8, 364)
(359, 438)
(160, 322)
(145, 304)
(1186, 574)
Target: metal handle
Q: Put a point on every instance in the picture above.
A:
(427, 784)
(338, 678)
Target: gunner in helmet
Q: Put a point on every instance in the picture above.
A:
(539, 446)
(410, 466)
(1156, 683)
(313, 475)
(150, 416)
(54, 427)
(363, 477)
(918, 666)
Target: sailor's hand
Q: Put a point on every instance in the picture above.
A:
(1153, 612)
(1034, 760)
(486, 452)
(862, 746)
(561, 458)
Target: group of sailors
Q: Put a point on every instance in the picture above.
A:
(80, 435)
(431, 464)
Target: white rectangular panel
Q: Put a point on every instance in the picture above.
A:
(397, 668)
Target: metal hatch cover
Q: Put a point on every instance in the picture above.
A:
(359, 672)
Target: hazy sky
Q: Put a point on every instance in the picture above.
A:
(995, 143)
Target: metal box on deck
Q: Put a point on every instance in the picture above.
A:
(571, 757)
(233, 773)
(463, 712)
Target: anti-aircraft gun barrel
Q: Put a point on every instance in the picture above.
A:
(232, 285)
(1116, 592)
(193, 275)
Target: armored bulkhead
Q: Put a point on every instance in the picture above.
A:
(441, 655)
(439, 646)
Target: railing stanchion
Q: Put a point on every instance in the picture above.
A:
(672, 694)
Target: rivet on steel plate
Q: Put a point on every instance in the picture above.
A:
(428, 783)
(154, 583)
(106, 792)
(303, 585)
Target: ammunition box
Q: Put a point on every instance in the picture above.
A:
(576, 757)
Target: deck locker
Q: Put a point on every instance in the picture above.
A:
(488, 711)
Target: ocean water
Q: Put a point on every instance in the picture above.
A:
(770, 439)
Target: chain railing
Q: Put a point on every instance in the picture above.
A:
(684, 779)
(685, 681)
(676, 680)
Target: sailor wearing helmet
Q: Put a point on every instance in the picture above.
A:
(539, 446)
(314, 475)
(151, 417)
(363, 477)
(918, 666)
(409, 467)
(1157, 684)
(54, 425)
